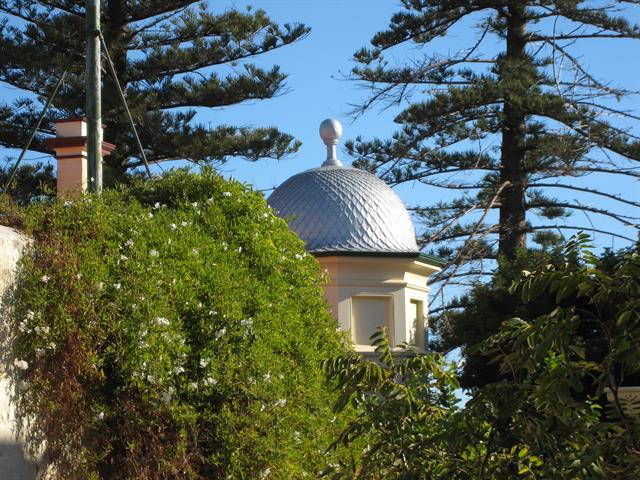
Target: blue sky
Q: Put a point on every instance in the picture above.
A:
(316, 66)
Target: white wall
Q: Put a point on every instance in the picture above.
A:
(14, 465)
(396, 279)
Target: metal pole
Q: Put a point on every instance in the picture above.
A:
(94, 100)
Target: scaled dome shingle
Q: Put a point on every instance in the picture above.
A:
(341, 209)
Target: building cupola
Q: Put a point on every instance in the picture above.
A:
(361, 233)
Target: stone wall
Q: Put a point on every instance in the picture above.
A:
(14, 465)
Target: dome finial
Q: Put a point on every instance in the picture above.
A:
(330, 132)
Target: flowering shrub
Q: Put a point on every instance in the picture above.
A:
(172, 329)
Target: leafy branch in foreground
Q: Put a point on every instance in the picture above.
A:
(545, 418)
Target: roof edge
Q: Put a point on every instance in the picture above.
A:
(420, 257)
(432, 260)
(353, 253)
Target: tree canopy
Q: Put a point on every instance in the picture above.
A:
(508, 125)
(171, 59)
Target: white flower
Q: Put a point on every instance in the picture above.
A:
(51, 346)
(151, 378)
(100, 285)
(204, 362)
(194, 251)
(265, 473)
(30, 315)
(251, 381)
(173, 226)
(117, 286)
(78, 276)
(22, 326)
(211, 381)
(220, 333)
(178, 370)
(193, 385)
(281, 402)
(299, 257)
(167, 394)
(281, 376)
(210, 200)
(67, 203)
(42, 330)
(129, 243)
(226, 194)
(267, 377)
(184, 224)
(161, 321)
(153, 253)
(45, 278)
(21, 364)
(124, 257)
(296, 436)
(150, 215)
(40, 352)
(247, 322)
(100, 416)
(157, 205)
(239, 249)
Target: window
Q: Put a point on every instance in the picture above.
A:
(416, 317)
(367, 314)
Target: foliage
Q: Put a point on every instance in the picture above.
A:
(478, 314)
(561, 372)
(171, 329)
(404, 402)
(546, 418)
(171, 58)
(32, 182)
(506, 124)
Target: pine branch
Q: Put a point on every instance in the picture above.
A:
(593, 191)
(580, 228)
(623, 219)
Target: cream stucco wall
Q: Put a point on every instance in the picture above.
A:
(14, 465)
(399, 279)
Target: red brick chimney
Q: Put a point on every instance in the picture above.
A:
(70, 147)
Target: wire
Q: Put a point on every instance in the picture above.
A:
(112, 70)
(35, 130)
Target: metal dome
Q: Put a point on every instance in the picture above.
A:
(337, 209)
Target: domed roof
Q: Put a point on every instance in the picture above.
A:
(337, 209)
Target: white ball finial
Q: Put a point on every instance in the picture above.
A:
(330, 132)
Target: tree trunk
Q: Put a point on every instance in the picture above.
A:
(512, 199)
(117, 126)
